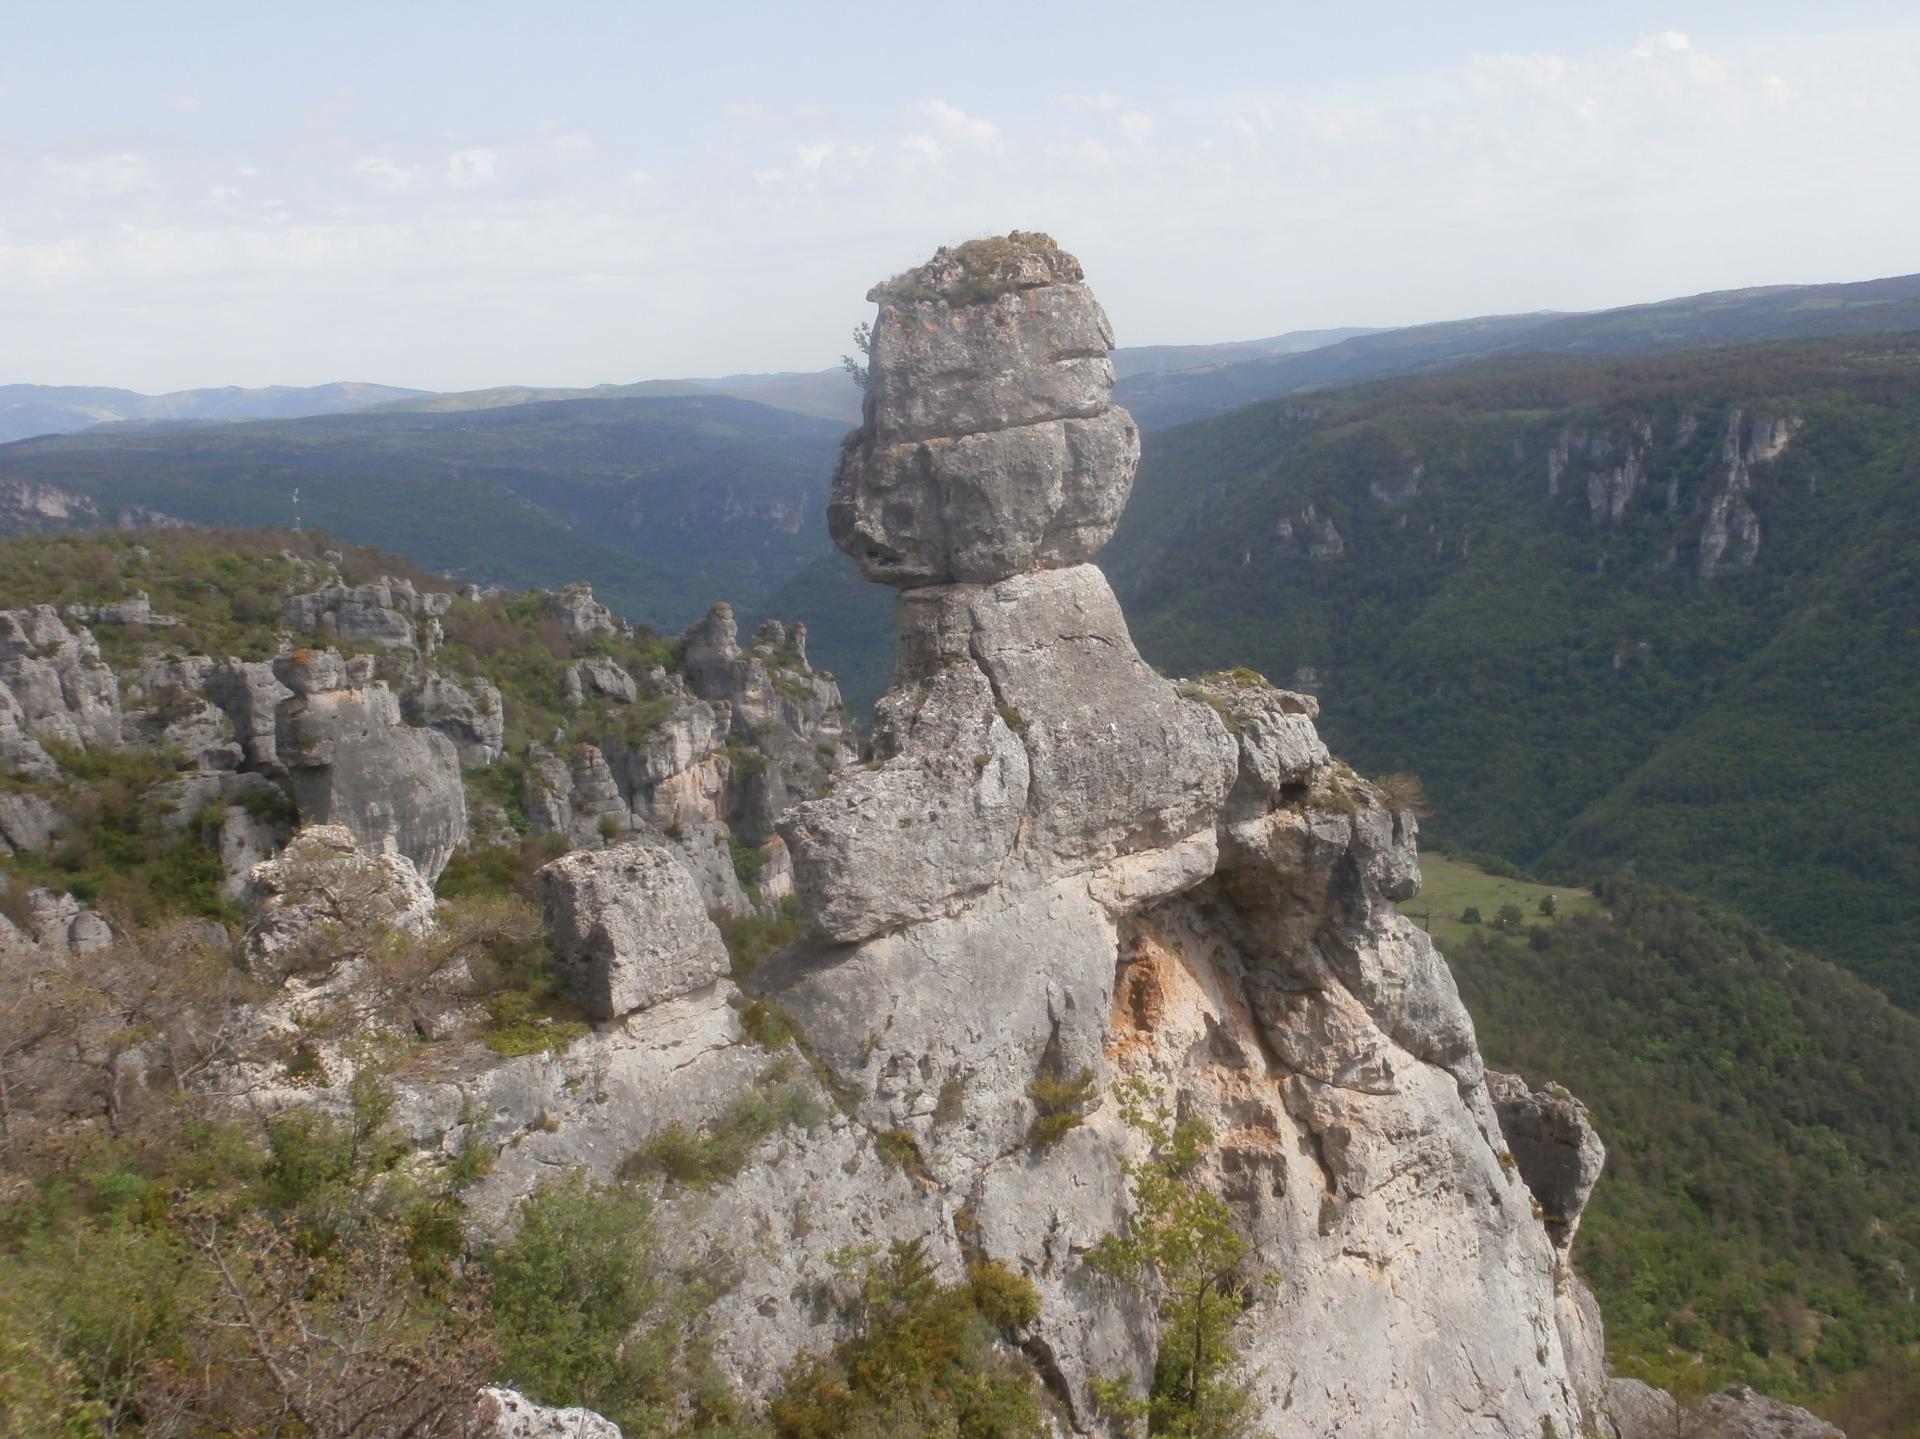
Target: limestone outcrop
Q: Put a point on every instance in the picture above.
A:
(1633, 1410)
(58, 686)
(352, 760)
(321, 884)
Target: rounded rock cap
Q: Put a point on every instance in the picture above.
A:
(990, 445)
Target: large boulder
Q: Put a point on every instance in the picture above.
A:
(509, 1414)
(1633, 1410)
(468, 713)
(989, 445)
(352, 760)
(628, 928)
(1552, 1141)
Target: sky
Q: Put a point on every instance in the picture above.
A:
(458, 195)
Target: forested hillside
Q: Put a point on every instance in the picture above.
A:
(1757, 1219)
(660, 502)
(1648, 614)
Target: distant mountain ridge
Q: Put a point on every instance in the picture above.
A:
(28, 410)
(1717, 318)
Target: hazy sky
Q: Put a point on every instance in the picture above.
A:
(455, 195)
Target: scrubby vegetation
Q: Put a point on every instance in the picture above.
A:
(926, 1359)
(309, 1274)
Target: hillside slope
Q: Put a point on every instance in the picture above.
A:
(1657, 613)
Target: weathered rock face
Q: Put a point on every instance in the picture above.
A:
(508, 1414)
(469, 714)
(989, 446)
(353, 761)
(1553, 1143)
(1023, 730)
(59, 687)
(1633, 1410)
(579, 613)
(628, 928)
(377, 614)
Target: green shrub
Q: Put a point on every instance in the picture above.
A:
(923, 1361)
(1059, 1105)
(1180, 1246)
(748, 860)
(714, 1154)
(750, 938)
(572, 1289)
(902, 1151)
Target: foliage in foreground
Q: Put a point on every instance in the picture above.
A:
(926, 1359)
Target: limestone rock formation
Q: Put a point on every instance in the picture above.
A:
(1552, 1140)
(580, 615)
(1059, 863)
(377, 614)
(468, 713)
(1633, 1410)
(322, 883)
(628, 928)
(353, 761)
(57, 685)
(989, 445)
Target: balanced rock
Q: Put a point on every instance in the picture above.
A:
(628, 928)
(990, 445)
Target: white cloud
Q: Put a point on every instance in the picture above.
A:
(1672, 42)
(386, 171)
(812, 157)
(957, 125)
(119, 174)
(1136, 125)
(467, 168)
(183, 102)
(925, 146)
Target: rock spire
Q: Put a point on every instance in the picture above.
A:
(1058, 862)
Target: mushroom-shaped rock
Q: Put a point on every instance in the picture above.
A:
(990, 445)
(627, 928)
